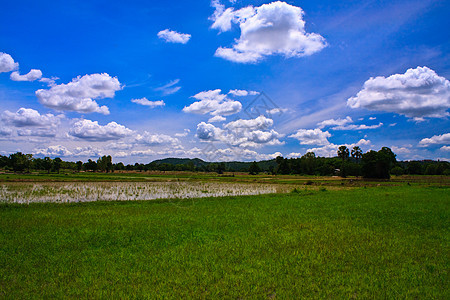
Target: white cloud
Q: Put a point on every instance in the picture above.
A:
(169, 88)
(232, 154)
(274, 28)
(49, 81)
(150, 139)
(87, 151)
(53, 151)
(330, 150)
(401, 150)
(183, 134)
(5, 131)
(27, 117)
(41, 132)
(276, 111)
(333, 122)
(92, 131)
(119, 146)
(372, 118)
(243, 133)
(33, 75)
(78, 94)
(357, 127)
(243, 93)
(417, 94)
(171, 36)
(7, 63)
(312, 137)
(436, 139)
(214, 103)
(216, 119)
(445, 148)
(294, 155)
(259, 123)
(208, 132)
(144, 101)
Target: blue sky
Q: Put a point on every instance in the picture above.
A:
(224, 80)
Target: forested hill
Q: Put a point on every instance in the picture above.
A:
(231, 165)
(197, 162)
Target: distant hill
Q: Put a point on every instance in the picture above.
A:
(236, 166)
(181, 161)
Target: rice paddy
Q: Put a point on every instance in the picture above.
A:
(67, 192)
(379, 240)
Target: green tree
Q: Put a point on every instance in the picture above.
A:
(104, 163)
(79, 165)
(57, 163)
(19, 162)
(254, 168)
(47, 164)
(343, 153)
(357, 153)
(378, 164)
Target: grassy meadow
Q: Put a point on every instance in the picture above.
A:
(343, 240)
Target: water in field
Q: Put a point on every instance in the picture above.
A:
(63, 192)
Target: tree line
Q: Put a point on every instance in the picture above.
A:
(347, 162)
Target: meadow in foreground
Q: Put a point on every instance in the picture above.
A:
(376, 242)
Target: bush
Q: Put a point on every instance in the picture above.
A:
(397, 171)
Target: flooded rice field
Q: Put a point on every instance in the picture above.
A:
(63, 192)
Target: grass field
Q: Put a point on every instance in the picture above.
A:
(388, 241)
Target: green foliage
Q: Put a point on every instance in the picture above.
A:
(254, 169)
(397, 171)
(343, 152)
(378, 164)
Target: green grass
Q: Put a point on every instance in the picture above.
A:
(377, 242)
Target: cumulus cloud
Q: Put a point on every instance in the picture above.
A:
(79, 94)
(331, 149)
(53, 151)
(401, 150)
(243, 133)
(294, 155)
(151, 139)
(171, 36)
(216, 119)
(419, 93)
(7, 63)
(87, 151)
(183, 134)
(33, 75)
(144, 101)
(92, 131)
(312, 137)
(259, 123)
(5, 131)
(445, 148)
(214, 103)
(49, 81)
(27, 117)
(209, 132)
(333, 122)
(436, 140)
(274, 28)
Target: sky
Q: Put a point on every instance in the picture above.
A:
(224, 80)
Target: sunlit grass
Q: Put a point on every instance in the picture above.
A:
(375, 242)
